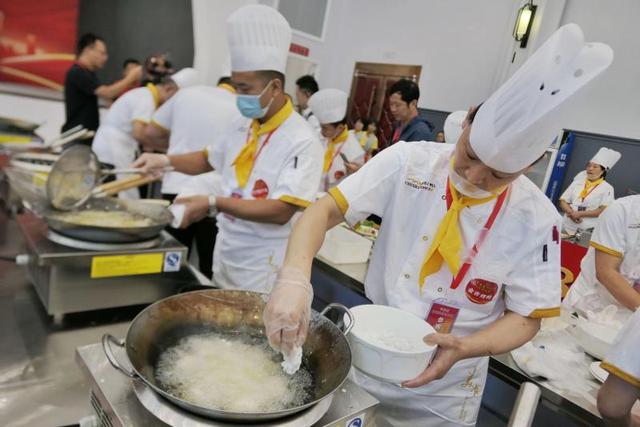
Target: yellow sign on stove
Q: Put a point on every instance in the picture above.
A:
(126, 265)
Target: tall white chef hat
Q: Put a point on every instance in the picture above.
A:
(453, 126)
(329, 105)
(259, 38)
(606, 157)
(515, 126)
(185, 78)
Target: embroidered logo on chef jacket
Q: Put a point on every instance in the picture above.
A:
(338, 175)
(419, 184)
(634, 226)
(260, 189)
(480, 291)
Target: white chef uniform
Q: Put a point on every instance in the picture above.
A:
(196, 117)
(405, 184)
(618, 234)
(518, 265)
(248, 254)
(600, 195)
(330, 106)
(453, 126)
(622, 359)
(287, 164)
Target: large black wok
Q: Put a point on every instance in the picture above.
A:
(326, 352)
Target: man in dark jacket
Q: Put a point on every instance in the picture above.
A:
(403, 103)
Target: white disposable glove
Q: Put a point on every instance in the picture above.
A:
(186, 205)
(288, 311)
(152, 163)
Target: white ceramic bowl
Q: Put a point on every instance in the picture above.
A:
(386, 343)
(594, 338)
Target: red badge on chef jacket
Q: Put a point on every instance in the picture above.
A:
(338, 174)
(480, 291)
(260, 190)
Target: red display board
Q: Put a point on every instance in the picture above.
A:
(571, 256)
(37, 41)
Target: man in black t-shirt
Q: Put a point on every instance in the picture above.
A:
(82, 87)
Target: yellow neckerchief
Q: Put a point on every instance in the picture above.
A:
(227, 87)
(588, 186)
(154, 92)
(331, 148)
(447, 243)
(244, 161)
(363, 138)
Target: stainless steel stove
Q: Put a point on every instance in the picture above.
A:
(121, 402)
(71, 275)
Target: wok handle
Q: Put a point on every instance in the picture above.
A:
(343, 309)
(107, 339)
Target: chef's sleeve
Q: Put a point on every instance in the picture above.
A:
(568, 194)
(622, 358)
(533, 288)
(298, 183)
(163, 116)
(607, 197)
(143, 109)
(610, 233)
(370, 190)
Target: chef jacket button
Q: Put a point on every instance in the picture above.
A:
(407, 275)
(425, 238)
(443, 197)
(440, 289)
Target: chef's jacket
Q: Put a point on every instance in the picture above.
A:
(622, 358)
(602, 195)
(248, 254)
(618, 234)
(196, 117)
(114, 142)
(337, 171)
(518, 266)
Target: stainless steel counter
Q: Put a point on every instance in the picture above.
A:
(580, 411)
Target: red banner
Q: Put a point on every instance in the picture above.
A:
(37, 41)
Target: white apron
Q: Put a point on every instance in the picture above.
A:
(115, 147)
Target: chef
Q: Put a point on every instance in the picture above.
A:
(589, 194)
(621, 390)
(610, 271)
(468, 243)
(117, 139)
(270, 160)
(330, 108)
(190, 121)
(453, 125)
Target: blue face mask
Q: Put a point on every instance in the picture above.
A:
(249, 105)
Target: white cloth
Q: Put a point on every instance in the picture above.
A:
(606, 157)
(196, 117)
(600, 196)
(405, 184)
(622, 359)
(453, 126)
(515, 126)
(329, 105)
(114, 142)
(185, 78)
(617, 233)
(355, 154)
(259, 38)
(248, 254)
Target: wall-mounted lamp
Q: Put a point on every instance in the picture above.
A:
(524, 21)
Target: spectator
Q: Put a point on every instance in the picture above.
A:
(128, 65)
(403, 103)
(440, 136)
(82, 87)
(156, 68)
(305, 87)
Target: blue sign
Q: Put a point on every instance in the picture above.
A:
(560, 169)
(356, 422)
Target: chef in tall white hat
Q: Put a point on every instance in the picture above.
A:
(467, 243)
(118, 139)
(589, 194)
(329, 106)
(270, 159)
(453, 125)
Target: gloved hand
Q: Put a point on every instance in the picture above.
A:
(188, 210)
(152, 163)
(288, 311)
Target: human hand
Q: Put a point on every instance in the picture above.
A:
(450, 350)
(134, 74)
(152, 163)
(575, 216)
(287, 313)
(195, 209)
(352, 167)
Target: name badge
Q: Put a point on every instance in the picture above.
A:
(442, 315)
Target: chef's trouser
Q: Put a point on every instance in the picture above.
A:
(204, 233)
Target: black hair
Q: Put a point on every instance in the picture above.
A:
(340, 122)
(130, 61)
(407, 89)
(225, 80)
(87, 40)
(307, 84)
(268, 75)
